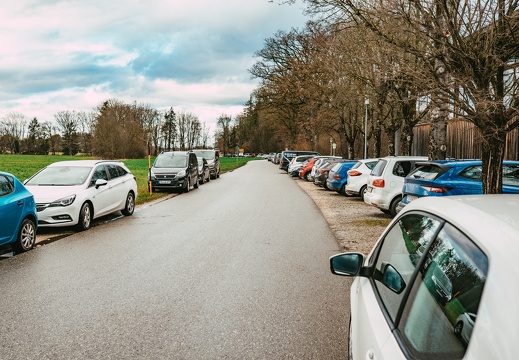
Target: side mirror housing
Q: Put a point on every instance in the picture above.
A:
(346, 264)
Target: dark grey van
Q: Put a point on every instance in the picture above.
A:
(174, 170)
(213, 160)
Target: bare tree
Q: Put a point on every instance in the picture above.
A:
(68, 124)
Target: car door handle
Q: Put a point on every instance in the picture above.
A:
(19, 203)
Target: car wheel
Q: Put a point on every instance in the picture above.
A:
(201, 181)
(392, 207)
(343, 190)
(26, 237)
(458, 328)
(85, 217)
(350, 353)
(307, 177)
(195, 185)
(208, 178)
(362, 192)
(130, 205)
(187, 187)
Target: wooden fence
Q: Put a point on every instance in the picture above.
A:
(463, 141)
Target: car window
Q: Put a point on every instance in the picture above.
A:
(61, 176)
(6, 185)
(357, 164)
(99, 173)
(370, 164)
(427, 172)
(402, 248)
(511, 175)
(402, 168)
(442, 307)
(113, 171)
(167, 161)
(379, 168)
(336, 167)
(472, 173)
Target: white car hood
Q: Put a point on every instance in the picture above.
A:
(47, 194)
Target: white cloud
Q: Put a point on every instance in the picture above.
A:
(192, 55)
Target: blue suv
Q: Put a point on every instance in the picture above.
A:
(460, 177)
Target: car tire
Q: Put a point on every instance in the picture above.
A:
(362, 191)
(393, 205)
(307, 176)
(85, 217)
(187, 187)
(195, 185)
(129, 207)
(343, 190)
(26, 237)
(201, 181)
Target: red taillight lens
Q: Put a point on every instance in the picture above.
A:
(378, 183)
(337, 177)
(433, 189)
(354, 173)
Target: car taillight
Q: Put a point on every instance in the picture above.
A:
(354, 173)
(337, 177)
(378, 183)
(434, 189)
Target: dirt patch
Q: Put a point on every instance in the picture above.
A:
(356, 225)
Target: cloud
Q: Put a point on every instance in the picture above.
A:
(192, 55)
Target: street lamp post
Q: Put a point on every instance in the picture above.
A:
(366, 102)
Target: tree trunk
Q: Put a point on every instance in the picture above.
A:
(493, 152)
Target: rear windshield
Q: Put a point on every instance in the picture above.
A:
(427, 172)
(207, 154)
(379, 168)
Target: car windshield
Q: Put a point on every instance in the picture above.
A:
(427, 172)
(208, 155)
(61, 176)
(166, 161)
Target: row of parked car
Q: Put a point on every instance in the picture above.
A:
(440, 281)
(74, 193)
(392, 182)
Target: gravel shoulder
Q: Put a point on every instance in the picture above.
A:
(356, 225)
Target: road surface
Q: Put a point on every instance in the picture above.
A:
(237, 269)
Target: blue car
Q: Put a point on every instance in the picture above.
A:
(460, 177)
(18, 220)
(338, 176)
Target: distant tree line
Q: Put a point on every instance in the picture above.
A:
(113, 130)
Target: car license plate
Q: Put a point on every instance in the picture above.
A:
(164, 182)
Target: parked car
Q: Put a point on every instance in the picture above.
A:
(288, 155)
(73, 193)
(277, 158)
(174, 170)
(18, 219)
(472, 242)
(358, 177)
(270, 156)
(460, 177)
(204, 174)
(384, 184)
(213, 160)
(318, 163)
(339, 175)
(296, 163)
(322, 172)
(304, 172)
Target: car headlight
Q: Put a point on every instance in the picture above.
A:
(181, 174)
(66, 201)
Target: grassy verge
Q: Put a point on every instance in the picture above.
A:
(24, 166)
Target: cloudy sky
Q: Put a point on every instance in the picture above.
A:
(193, 55)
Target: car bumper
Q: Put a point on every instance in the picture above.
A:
(374, 198)
(168, 184)
(59, 216)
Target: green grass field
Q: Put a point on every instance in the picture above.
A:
(24, 166)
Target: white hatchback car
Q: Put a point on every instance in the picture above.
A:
(385, 182)
(358, 177)
(438, 260)
(69, 193)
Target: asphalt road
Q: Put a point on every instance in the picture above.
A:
(237, 269)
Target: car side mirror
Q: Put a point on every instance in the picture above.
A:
(100, 182)
(347, 264)
(392, 279)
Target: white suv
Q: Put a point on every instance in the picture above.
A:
(441, 282)
(384, 184)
